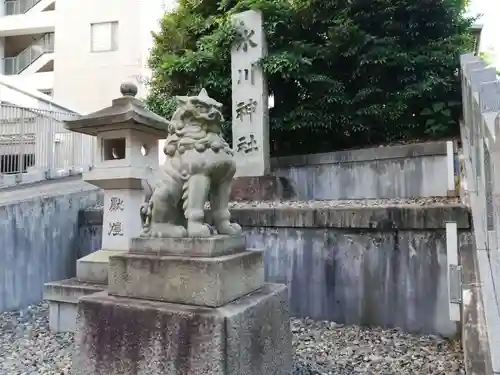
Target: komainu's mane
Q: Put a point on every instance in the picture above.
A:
(189, 128)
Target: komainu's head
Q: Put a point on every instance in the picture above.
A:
(200, 110)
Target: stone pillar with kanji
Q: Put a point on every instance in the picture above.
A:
(250, 115)
(250, 97)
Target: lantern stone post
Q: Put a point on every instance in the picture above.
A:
(126, 155)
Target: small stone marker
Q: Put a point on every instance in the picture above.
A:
(250, 121)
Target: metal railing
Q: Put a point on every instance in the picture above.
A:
(13, 7)
(16, 64)
(480, 134)
(35, 146)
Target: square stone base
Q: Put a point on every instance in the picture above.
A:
(122, 336)
(93, 268)
(62, 316)
(202, 281)
(189, 246)
(62, 297)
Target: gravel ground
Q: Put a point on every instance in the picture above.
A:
(430, 201)
(28, 348)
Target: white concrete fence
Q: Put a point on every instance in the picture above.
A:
(34, 146)
(480, 131)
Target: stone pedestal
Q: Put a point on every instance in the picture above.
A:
(62, 297)
(188, 280)
(121, 336)
(93, 268)
(185, 306)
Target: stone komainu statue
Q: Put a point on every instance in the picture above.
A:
(199, 167)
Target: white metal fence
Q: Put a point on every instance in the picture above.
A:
(480, 132)
(34, 146)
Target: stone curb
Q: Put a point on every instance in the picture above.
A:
(378, 218)
(374, 218)
(362, 155)
(475, 341)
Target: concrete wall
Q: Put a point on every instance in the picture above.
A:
(381, 266)
(481, 177)
(39, 237)
(415, 170)
(475, 343)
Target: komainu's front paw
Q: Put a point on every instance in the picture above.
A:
(226, 227)
(198, 230)
(163, 230)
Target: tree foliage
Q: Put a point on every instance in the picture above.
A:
(344, 73)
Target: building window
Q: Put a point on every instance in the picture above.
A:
(104, 36)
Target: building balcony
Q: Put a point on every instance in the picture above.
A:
(14, 7)
(28, 23)
(36, 57)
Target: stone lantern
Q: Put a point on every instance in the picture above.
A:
(126, 154)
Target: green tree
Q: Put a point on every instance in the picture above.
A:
(344, 73)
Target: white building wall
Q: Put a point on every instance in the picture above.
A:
(87, 81)
(29, 23)
(36, 81)
(489, 11)
(82, 81)
(25, 96)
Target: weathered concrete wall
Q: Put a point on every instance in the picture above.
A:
(407, 171)
(39, 237)
(381, 266)
(476, 346)
(89, 232)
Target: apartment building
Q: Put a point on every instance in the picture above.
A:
(59, 57)
(77, 52)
